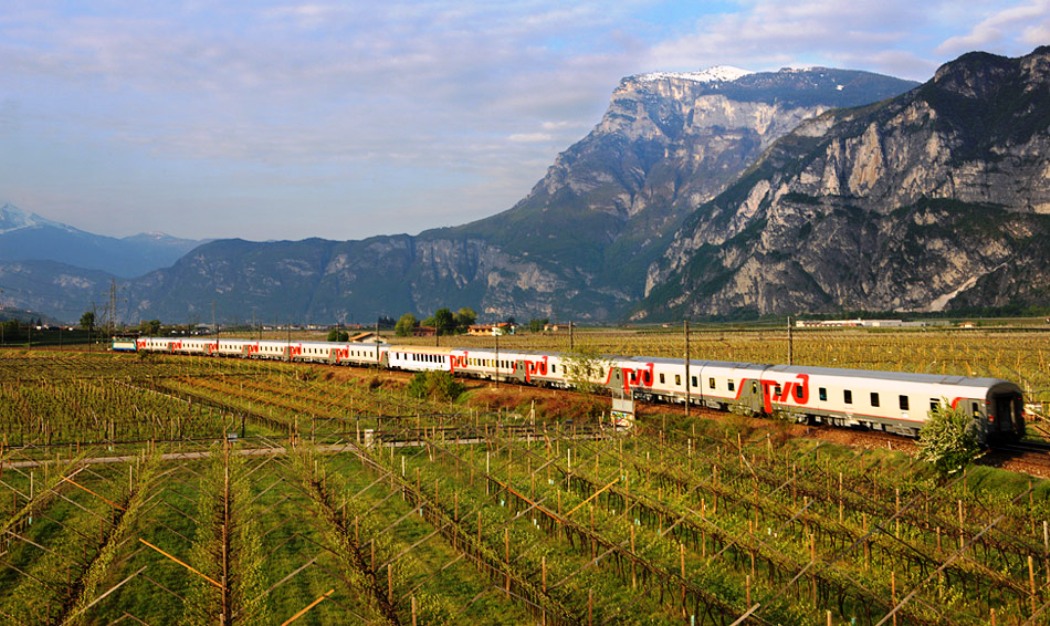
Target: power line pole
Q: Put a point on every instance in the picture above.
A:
(111, 312)
(687, 385)
(791, 346)
(495, 334)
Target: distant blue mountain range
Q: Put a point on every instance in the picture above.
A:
(29, 237)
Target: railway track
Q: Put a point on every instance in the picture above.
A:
(1027, 457)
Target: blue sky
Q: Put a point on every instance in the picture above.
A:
(286, 120)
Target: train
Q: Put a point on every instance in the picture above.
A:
(893, 402)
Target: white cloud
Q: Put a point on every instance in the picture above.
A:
(887, 36)
(333, 104)
(530, 137)
(1027, 23)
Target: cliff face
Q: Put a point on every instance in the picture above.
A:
(578, 246)
(724, 193)
(580, 243)
(937, 198)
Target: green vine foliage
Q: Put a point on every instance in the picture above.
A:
(247, 581)
(949, 440)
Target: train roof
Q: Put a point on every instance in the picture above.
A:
(694, 362)
(392, 347)
(940, 379)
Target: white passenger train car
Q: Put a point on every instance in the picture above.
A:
(891, 401)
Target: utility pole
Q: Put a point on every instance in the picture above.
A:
(791, 347)
(111, 313)
(687, 384)
(495, 333)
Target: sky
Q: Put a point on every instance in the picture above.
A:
(271, 120)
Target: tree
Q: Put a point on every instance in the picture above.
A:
(537, 325)
(444, 321)
(9, 330)
(151, 328)
(949, 440)
(87, 321)
(338, 335)
(405, 325)
(465, 318)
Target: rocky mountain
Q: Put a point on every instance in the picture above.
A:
(53, 290)
(938, 198)
(30, 237)
(578, 246)
(716, 193)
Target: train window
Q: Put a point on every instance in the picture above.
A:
(798, 393)
(677, 380)
(874, 399)
(935, 405)
(732, 385)
(554, 368)
(975, 409)
(711, 382)
(823, 393)
(904, 403)
(695, 384)
(662, 379)
(776, 390)
(847, 396)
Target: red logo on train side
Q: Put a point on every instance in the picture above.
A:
(637, 377)
(796, 391)
(456, 362)
(535, 368)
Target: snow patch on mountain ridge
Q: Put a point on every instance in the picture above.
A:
(718, 73)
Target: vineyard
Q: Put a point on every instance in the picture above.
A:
(160, 490)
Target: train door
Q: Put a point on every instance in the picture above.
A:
(1005, 415)
(753, 398)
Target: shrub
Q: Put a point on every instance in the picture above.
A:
(338, 335)
(949, 440)
(435, 386)
(586, 369)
